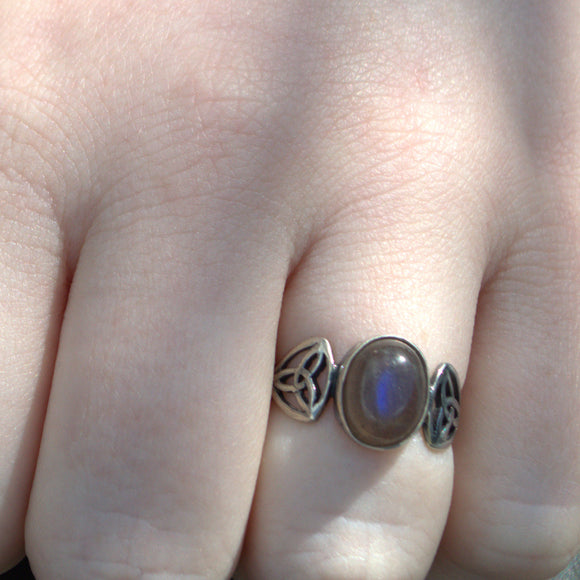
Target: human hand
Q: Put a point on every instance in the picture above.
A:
(190, 189)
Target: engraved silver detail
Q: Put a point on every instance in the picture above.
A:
(303, 379)
(442, 418)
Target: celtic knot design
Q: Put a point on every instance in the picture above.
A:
(303, 379)
(443, 412)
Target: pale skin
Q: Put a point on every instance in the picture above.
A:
(189, 189)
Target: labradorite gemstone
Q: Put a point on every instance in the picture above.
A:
(384, 392)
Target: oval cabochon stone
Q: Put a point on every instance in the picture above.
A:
(382, 393)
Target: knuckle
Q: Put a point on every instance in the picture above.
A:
(421, 143)
(36, 129)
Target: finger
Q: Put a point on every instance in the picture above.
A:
(31, 296)
(401, 248)
(160, 396)
(325, 507)
(32, 287)
(516, 506)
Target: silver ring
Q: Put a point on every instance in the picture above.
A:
(381, 389)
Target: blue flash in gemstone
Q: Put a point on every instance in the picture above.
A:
(383, 393)
(391, 398)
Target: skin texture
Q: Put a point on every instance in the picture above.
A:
(189, 189)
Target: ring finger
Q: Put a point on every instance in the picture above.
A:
(325, 506)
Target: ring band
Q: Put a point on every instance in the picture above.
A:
(381, 389)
